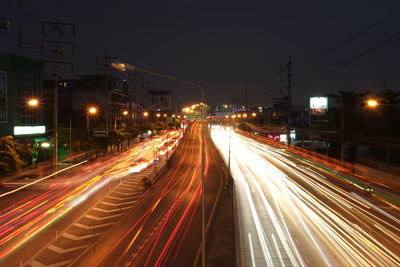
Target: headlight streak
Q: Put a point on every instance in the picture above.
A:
(336, 233)
(42, 210)
(371, 237)
(290, 248)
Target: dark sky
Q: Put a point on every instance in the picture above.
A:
(225, 45)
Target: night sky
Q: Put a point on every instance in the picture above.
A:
(226, 45)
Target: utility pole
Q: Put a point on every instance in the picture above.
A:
(288, 79)
(57, 44)
(246, 96)
(103, 65)
(20, 27)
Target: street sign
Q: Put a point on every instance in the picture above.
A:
(26, 130)
(100, 133)
(155, 162)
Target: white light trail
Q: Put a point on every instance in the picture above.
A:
(307, 219)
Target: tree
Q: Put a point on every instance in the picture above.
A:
(13, 156)
(349, 104)
(390, 109)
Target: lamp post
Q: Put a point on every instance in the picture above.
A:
(229, 150)
(124, 67)
(90, 111)
(373, 103)
(146, 115)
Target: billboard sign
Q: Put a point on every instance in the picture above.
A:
(3, 96)
(26, 130)
(318, 105)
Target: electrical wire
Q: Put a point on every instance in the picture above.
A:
(349, 60)
(352, 37)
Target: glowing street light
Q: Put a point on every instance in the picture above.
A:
(165, 115)
(90, 111)
(146, 114)
(158, 115)
(253, 114)
(372, 103)
(125, 112)
(245, 115)
(33, 102)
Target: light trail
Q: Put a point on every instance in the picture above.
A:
(29, 217)
(306, 217)
(170, 231)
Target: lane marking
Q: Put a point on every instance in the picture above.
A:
(118, 204)
(113, 210)
(86, 227)
(121, 198)
(100, 218)
(36, 263)
(76, 238)
(62, 251)
(252, 251)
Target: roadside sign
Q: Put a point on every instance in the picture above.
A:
(100, 133)
(155, 162)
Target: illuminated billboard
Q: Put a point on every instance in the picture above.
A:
(25, 130)
(318, 105)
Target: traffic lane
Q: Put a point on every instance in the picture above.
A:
(177, 242)
(34, 214)
(117, 244)
(28, 230)
(317, 182)
(263, 228)
(174, 238)
(215, 175)
(279, 183)
(351, 210)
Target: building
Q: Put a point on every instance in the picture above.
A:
(107, 93)
(21, 79)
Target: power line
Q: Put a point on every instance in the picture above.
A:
(352, 37)
(23, 13)
(349, 60)
(35, 19)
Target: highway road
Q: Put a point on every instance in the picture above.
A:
(32, 212)
(164, 228)
(290, 213)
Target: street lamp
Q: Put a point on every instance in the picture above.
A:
(372, 103)
(33, 102)
(124, 67)
(90, 111)
(125, 113)
(146, 115)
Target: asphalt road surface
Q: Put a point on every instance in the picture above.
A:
(292, 214)
(35, 212)
(164, 229)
